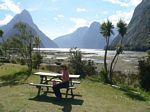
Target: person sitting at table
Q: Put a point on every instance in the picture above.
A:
(64, 83)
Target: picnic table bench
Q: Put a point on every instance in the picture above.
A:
(44, 82)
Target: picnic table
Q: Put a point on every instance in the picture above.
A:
(46, 77)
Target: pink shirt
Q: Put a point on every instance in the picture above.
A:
(65, 76)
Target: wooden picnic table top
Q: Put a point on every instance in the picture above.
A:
(55, 74)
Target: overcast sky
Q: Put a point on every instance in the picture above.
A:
(59, 17)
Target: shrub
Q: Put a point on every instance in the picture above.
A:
(75, 62)
(13, 60)
(103, 75)
(89, 68)
(130, 79)
(144, 72)
(36, 60)
(78, 66)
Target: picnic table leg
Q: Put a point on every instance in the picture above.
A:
(67, 92)
(46, 83)
(39, 88)
(72, 93)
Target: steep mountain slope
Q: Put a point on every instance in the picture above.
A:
(138, 34)
(93, 39)
(72, 40)
(84, 37)
(26, 18)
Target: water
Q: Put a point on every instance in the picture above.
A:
(91, 54)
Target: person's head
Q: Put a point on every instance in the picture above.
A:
(63, 67)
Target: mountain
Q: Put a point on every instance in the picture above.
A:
(83, 37)
(72, 40)
(138, 33)
(26, 18)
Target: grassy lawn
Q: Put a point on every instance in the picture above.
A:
(17, 96)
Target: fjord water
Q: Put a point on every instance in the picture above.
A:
(128, 55)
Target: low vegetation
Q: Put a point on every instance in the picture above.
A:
(79, 66)
(93, 96)
(144, 72)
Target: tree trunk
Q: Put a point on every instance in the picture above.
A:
(105, 60)
(112, 63)
(30, 58)
(111, 68)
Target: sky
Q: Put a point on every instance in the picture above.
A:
(59, 17)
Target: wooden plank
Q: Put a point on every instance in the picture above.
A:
(47, 74)
(57, 80)
(72, 87)
(73, 81)
(54, 74)
(42, 85)
(76, 82)
(45, 85)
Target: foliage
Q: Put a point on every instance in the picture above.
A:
(2, 45)
(103, 75)
(22, 44)
(1, 33)
(106, 31)
(75, 62)
(78, 66)
(89, 68)
(91, 95)
(129, 79)
(144, 72)
(122, 29)
(37, 60)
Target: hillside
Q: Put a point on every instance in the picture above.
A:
(84, 37)
(26, 18)
(138, 33)
(72, 40)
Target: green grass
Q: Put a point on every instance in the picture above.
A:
(17, 96)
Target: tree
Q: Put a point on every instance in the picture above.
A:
(24, 43)
(37, 42)
(37, 58)
(1, 34)
(106, 31)
(76, 63)
(122, 29)
(144, 72)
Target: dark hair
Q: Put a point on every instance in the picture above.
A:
(64, 66)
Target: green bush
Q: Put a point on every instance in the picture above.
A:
(144, 72)
(36, 60)
(78, 66)
(129, 79)
(22, 61)
(103, 75)
(89, 68)
(13, 60)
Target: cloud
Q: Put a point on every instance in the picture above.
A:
(105, 12)
(55, 18)
(32, 9)
(80, 10)
(60, 16)
(125, 3)
(78, 22)
(126, 16)
(135, 2)
(6, 20)
(10, 5)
